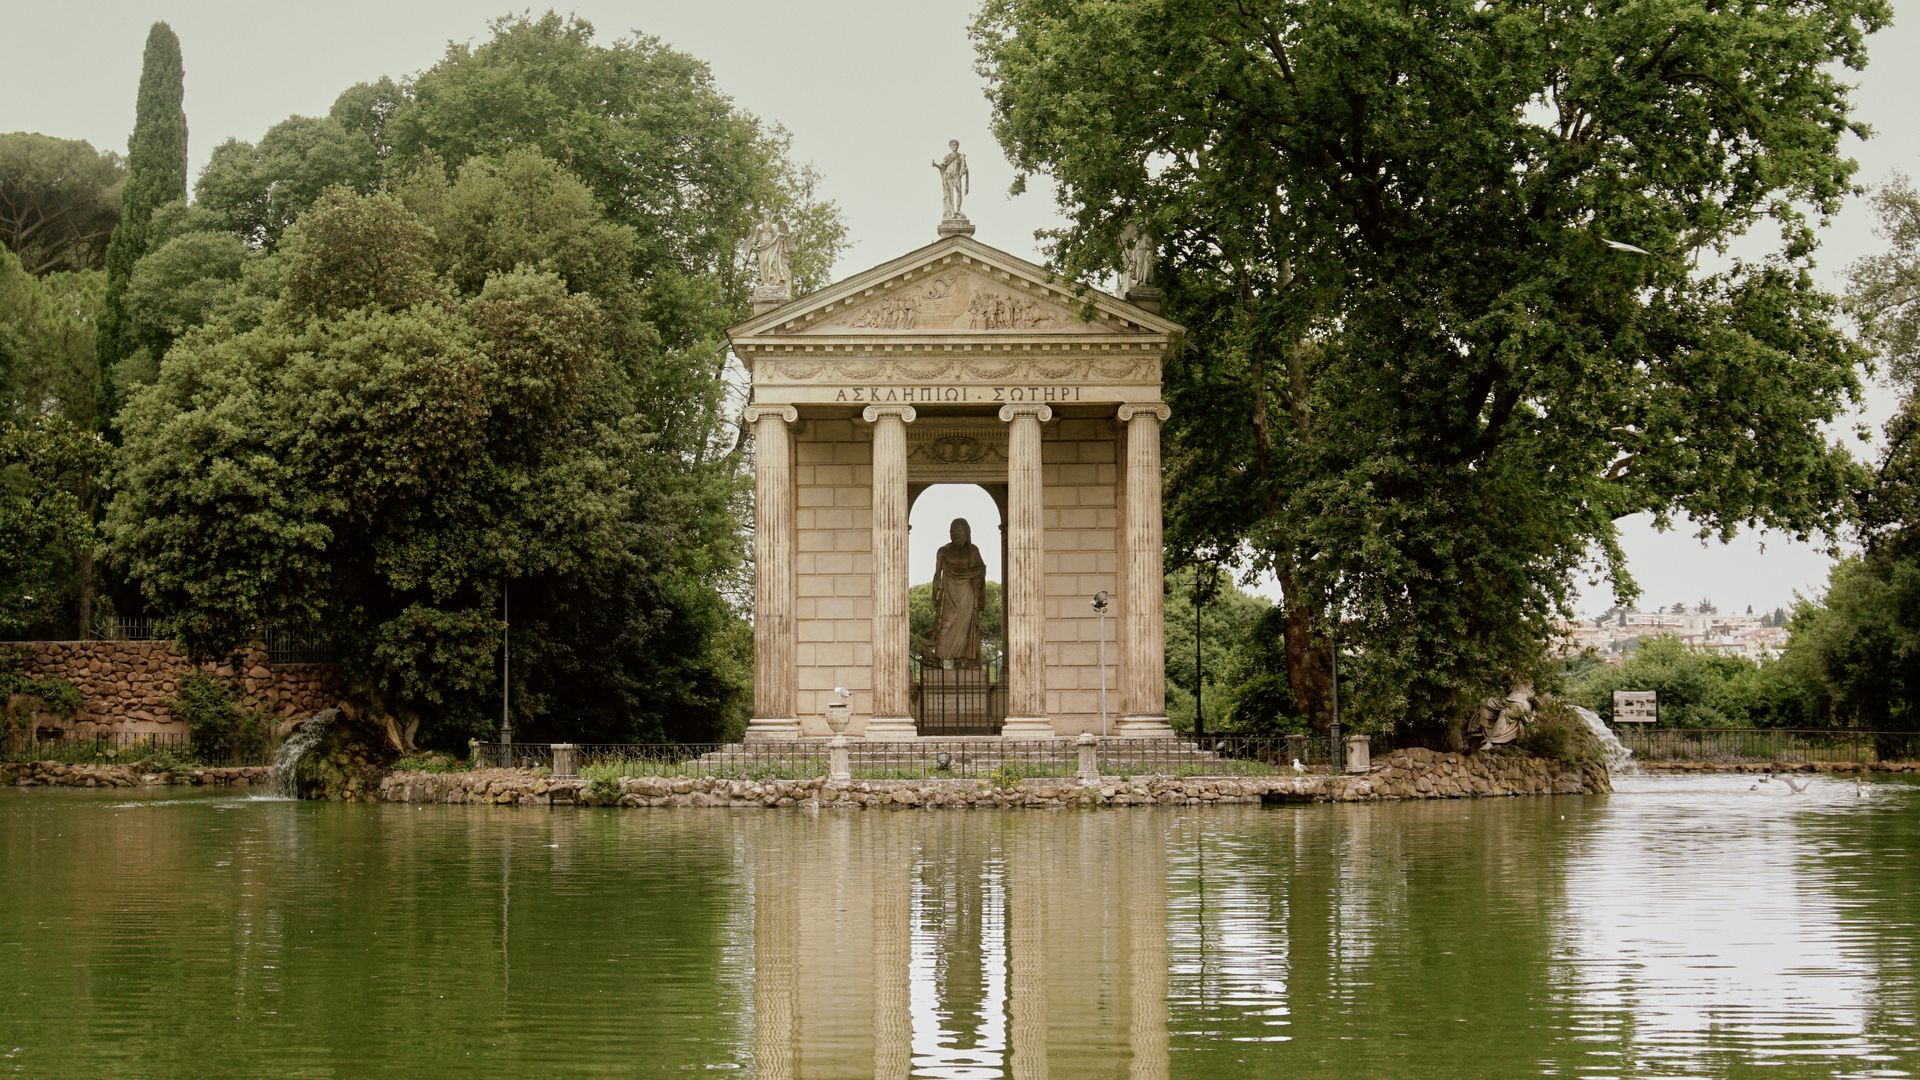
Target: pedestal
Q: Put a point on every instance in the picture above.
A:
(891, 729)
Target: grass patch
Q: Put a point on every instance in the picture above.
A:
(429, 763)
(695, 768)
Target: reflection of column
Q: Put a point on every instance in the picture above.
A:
(892, 953)
(1143, 688)
(1145, 900)
(1026, 586)
(892, 717)
(773, 644)
(1028, 866)
(776, 964)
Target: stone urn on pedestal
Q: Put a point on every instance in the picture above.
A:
(839, 768)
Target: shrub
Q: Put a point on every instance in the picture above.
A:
(217, 715)
(1557, 734)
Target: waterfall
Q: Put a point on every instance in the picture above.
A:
(1619, 758)
(286, 761)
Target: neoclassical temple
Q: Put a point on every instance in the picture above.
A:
(956, 363)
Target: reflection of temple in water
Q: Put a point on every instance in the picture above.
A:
(961, 951)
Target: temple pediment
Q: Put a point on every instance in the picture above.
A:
(955, 286)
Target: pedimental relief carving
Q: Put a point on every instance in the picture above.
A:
(960, 301)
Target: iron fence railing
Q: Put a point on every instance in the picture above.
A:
(129, 628)
(165, 748)
(933, 758)
(298, 645)
(1779, 745)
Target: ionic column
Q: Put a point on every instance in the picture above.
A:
(1143, 646)
(892, 706)
(773, 636)
(1026, 583)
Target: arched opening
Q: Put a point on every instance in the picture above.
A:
(956, 607)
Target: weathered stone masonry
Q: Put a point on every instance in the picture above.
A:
(125, 684)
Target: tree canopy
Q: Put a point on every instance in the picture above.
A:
(156, 175)
(1442, 272)
(446, 343)
(59, 201)
(421, 420)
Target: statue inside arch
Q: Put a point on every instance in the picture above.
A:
(959, 594)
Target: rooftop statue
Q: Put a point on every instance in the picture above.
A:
(772, 247)
(953, 181)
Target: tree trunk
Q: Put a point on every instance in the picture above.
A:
(1309, 660)
(83, 602)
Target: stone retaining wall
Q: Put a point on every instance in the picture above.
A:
(1406, 774)
(125, 684)
(58, 774)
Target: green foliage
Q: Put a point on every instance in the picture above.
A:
(1556, 734)
(423, 414)
(47, 341)
(644, 127)
(59, 201)
(156, 175)
(44, 525)
(1883, 294)
(1242, 656)
(1419, 384)
(428, 763)
(1702, 688)
(215, 710)
(51, 694)
(257, 192)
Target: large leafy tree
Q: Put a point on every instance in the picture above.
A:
(156, 175)
(1857, 648)
(59, 201)
(50, 461)
(434, 408)
(1458, 287)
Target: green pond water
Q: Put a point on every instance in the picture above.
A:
(1680, 927)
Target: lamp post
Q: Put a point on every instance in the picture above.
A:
(506, 675)
(1100, 605)
(1333, 636)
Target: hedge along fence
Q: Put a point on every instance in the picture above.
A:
(1785, 746)
(930, 759)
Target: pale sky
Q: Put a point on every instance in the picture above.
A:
(870, 89)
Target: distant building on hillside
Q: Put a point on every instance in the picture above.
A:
(1616, 634)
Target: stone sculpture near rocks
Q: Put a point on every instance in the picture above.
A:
(959, 593)
(1502, 720)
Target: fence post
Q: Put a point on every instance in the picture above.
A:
(1297, 747)
(839, 767)
(1358, 754)
(1089, 767)
(566, 761)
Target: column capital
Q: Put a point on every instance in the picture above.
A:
(1158, 409)
(756, 413)
(872, 413)
(1042, 413)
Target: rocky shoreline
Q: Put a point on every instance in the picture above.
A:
(1405, 774)
(61, 774)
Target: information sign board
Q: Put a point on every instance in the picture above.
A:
(1636, 706)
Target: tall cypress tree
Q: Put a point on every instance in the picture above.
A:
(156, 175)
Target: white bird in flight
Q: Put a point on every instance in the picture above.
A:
(1793, 787)
(1620, 246)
